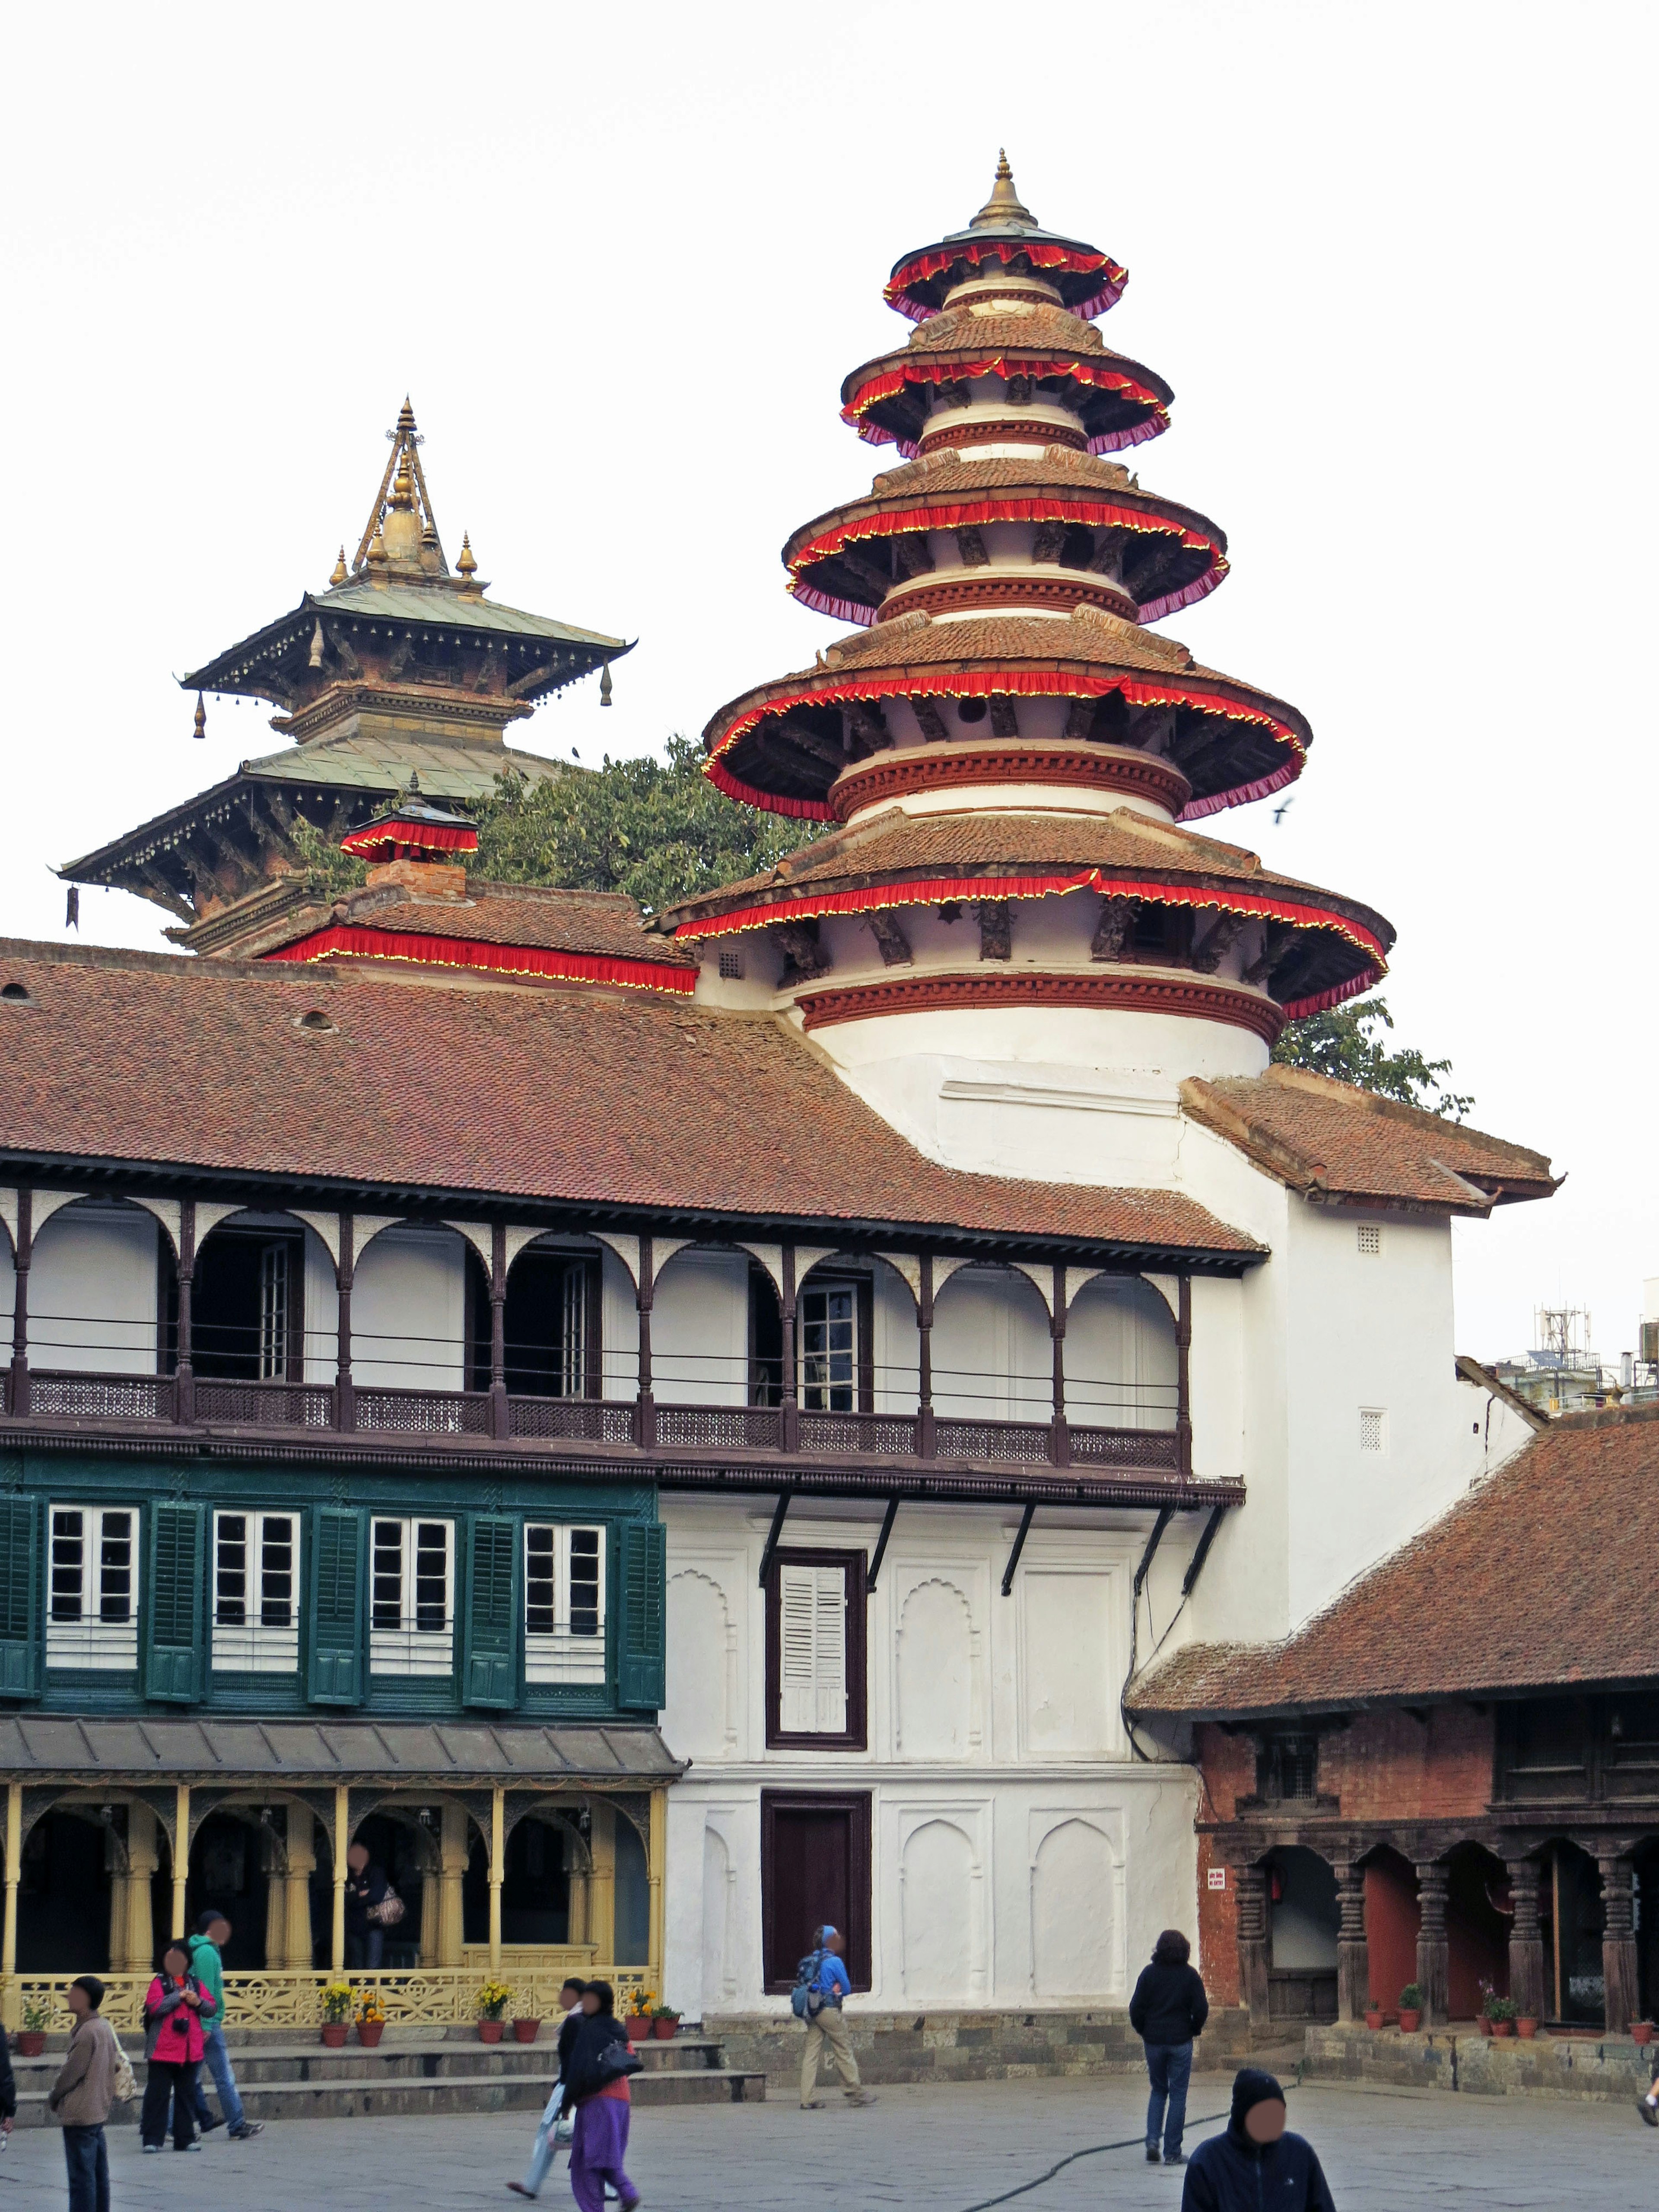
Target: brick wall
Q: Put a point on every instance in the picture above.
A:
(1387, 1766)
(1227, 1764)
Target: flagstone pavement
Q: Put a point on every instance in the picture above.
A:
(943, 2150)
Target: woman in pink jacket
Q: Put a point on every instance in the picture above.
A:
(174, 2011)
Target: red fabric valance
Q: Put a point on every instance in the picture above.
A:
(1113, 278)
(499, 959)
(1097, 373)
(384, 840)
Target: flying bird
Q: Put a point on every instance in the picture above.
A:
(1280, 812)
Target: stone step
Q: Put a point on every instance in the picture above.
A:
(424, 2058)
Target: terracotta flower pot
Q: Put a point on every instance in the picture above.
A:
(1410, 2021)
(335, 2033)
(1485, 2025)
(491, 2030)
(1374, 2020)
(526, 2031)
(664, 2030)
(1502, 2028)
(639, 2027)
(369, 2033)
(1641, 2031)
(1526, 2028)
(30, 2042)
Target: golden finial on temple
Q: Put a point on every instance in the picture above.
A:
(1004, 204)
(466, 566)
(339, 573)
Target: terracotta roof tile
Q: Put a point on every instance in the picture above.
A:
(1335, 1141)
(587, 1096)
(603, 922)
(1540, 1578)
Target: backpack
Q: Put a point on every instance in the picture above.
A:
(806, 2000)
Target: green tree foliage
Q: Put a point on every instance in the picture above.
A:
(1348, 1044)
(327, 870)
(655, 829)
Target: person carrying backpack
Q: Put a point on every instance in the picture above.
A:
(821, 1981)
(173, 2013)
(596, 2078)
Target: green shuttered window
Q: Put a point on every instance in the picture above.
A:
(491, 1666)
(20, 1571)
(339, 1546)
(644, 1572)
(178, 1569)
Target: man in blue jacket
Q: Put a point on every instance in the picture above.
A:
(1258, 2163)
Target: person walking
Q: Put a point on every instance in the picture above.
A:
(174, 2009)
(8, 2086)
(206, 1949)
(366, 1890)
(1168, 2010)
(541, 2156)
(598, 2079)
(823, 1973)
(80, 2099)
(1258, 2160)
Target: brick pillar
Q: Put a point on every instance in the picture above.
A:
(1526, 1939)
(1252, 1882)
(1353, 1967)
(1433, 1963)
(1623, 2004)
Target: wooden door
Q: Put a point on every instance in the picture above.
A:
(815, 1867)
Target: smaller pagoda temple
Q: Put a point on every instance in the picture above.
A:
(402, 673)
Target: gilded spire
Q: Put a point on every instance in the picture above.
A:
(340, 572)
(403, 492)
(1005, 206)
(466, 566)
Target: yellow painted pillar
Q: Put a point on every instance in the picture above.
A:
(602, 1883)
(656, 1857)
(14, 1876)
(296, 1887)
(142, 1859)
(342, 1845)
(497, 1872)
(454, 1849)
(576, 1876)
(270, 1858)
(120, 1891)
(180, 1858)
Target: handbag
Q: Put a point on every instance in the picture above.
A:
(389, 1912)
(126, 2082)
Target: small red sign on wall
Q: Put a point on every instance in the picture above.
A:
(1217, 1877)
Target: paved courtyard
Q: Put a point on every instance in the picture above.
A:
(946, 2150)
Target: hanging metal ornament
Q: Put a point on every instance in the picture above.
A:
(605, 686)
(200, 728)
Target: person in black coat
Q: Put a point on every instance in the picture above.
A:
(1167, 2011)
(8, 2086)
(1258, 2161)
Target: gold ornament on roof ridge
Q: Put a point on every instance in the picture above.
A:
(1004, 204)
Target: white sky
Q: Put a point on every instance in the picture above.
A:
(1393, 260)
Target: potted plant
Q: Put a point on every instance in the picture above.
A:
(491, 2003)
(1641, 2031)
(1411, 2009)
(1483, 2016)
(31, 2035)
(1526, 2026)
(664, 2022)
(1503, 2011)
(639, 2018)
(371, 2019)
(337, 2013)
(1374, 2013)
(527, 2027)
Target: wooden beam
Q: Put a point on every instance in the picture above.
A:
(996, 930)
(1047, 543)
(811, 741)
(865, 570)
(895, 945)
(1115, 929)
(802, 948)
(1004, 721)
(914, 554)
(1109, 548)
(1275, 940)
(870, 724)
(1020, 1546)
(930, 722)
(773, 1534)
(1218, 938)
(971, 546)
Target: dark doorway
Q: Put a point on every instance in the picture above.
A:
(1647, 1927)
(247, 1315)
(765, 1340)
(1301, 1927)
(535, 1888)
(1479, 1912)
(815, 1867)
(63, 1901)
(550, 1324)
(394, 1847)
(1570, 1900)
(227, 1874)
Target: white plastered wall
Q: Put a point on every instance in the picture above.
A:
(1020, 1855)
(700, 1329)
(409, 1310)
(93, 1292)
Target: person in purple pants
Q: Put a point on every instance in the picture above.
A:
(600, 2064)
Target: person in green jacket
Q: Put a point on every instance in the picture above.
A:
(206, 1964)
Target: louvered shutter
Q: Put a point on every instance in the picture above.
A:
(20, 1586)
(640, 1653)
(178, 1565)
(490, 1665)
(338, 1546)
(812, 1651)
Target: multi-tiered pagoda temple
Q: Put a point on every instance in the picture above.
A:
(1010, 756)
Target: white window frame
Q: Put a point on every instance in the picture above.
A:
(560, 1654)
(408, 1649)
(813, 1691)
(819, 1395)
(91, 1641)
(251, 1647)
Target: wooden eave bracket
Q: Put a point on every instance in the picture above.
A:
(1021, 1534)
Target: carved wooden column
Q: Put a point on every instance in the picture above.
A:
(1621, 1999)
(499, 1422)
(184, 1373)
(645, 1410)
(345, 1396)
(1433, 1957)
(1526, 1939)
(1252, 1888)
(791, 1377)
(926, 1435)
(17, 1397)
(1059, 1436)
(1183, 1376)
(1353, 1965)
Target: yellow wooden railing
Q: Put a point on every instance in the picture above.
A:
(427, 1997)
